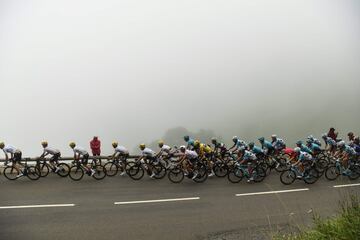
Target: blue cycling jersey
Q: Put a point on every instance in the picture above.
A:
(349, 150)
(331, 141)
(304, 156)
(304, 148)
(249, 155)
(267, 145)
(315, 148)
(256, 150)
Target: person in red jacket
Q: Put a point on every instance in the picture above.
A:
(95, 146)
(332, 134)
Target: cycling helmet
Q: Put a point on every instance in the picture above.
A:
(115, 144)
(161, 143)
(186, 138)
(350, 134)
(182, 148)
(213, 140)
(142, 146)
(242, 149)
(273, 136)
(297, 149)
(251, 145)
(2, 145)
(341, 144)
(44, 143)
(309, 141)
(72, 144)
(262, 139)
(235, 139)
(324, 135)
(299, 142)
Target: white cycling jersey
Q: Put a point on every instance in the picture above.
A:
(191, 154)
(10, 149)
(80, 151)
(147, 152)
(121, 150)
(51, 151)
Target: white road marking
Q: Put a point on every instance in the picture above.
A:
(37, 206)
(272, 192)
(158, 200)
(347, 185)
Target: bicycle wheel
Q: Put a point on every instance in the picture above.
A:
(235, 175)
(111, 169)
(43, 169)
(136, 172)
(160, 171)
(64, 170)
(76, 173)
(311, 176)
(176, 175)
(220, 170)
(281, 165)
(100, 172)
(287, 177)
(202, 173)
(33, 173)
(259, 174)
(332, 172)
(11, 173)
(355, 172)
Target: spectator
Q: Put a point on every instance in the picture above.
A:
(95, 146)
(332, 134)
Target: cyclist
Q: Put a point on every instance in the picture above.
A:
(81, 154)
(15, 156)
(148, 157)
(164, 153)
(256, 150)
(189, 141)
(55, 155)
(303, 147)
(204, 151)
(219, 147)
(238, 143)
(278, 143)
(346, 153)
(315, 149)
(330, 144)
(304, 160)
(189, 159)
(248, 158)
(266, 146)
(121, 154)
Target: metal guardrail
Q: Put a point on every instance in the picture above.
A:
(71, 158)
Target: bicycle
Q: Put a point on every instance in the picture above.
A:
(11, 173)
(44, 168)
(137, 170)
(239, 171)
(177, 174)
(335, 170)
(77, 171)
(310, 175)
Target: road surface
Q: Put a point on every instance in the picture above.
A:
(120, 208)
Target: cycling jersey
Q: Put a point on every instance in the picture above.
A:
(205, 149)
(314, 147)
(51, 151)
(147, 152)
(10, 149)
(81, 151)
(267, 145)
(166, 148)
(279, 144)
(304, 148)
(190, 143)
(330, 141)
(349, 150)
(249, 156)
(257, 150)
(304, 156)
(241, 143)
(122, 150)
(191, 154)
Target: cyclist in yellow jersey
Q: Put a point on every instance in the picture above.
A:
(205, 152)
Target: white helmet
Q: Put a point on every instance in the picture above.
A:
(341, 144)
(324, 135)
(182, 148)
(297, 149)
(274, 136)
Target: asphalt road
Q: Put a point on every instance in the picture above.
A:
(56, 208)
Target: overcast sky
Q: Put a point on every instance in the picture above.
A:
(131, 69)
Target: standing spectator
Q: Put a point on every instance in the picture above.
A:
(95, 146)
(332, 134)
